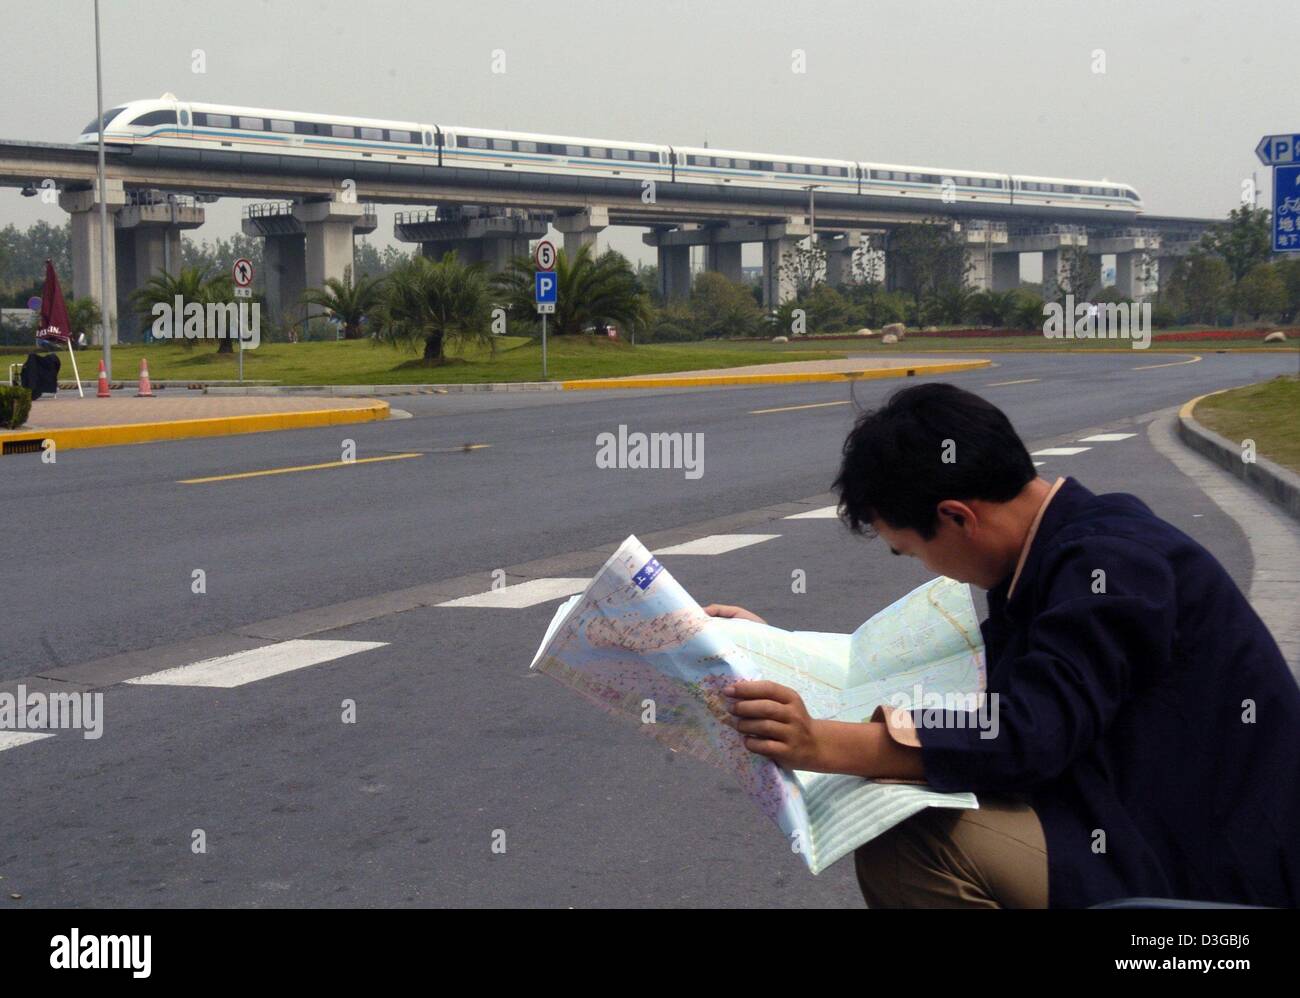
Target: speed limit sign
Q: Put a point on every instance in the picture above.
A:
(544, 255)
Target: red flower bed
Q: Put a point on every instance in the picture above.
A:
(1212, 334)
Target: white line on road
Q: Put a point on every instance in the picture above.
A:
(1105, 438)
(716, 544)
(1174, 363)
(1060, 451)
(825, 513)
(1021, 381)
(228, 671)
(12, 739)
(522, 594)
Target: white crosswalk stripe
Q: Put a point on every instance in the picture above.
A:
(716, 544)
(229, 671)
(825, 513)
(1059, 451)
(522, 594)
(1105, 438)
(12, 739)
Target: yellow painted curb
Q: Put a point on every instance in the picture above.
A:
(689, 381)
(71, 438)
(1186, 411)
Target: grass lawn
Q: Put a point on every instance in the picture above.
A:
(1268, 413)
(360, 362)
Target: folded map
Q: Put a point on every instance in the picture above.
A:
(635, 643)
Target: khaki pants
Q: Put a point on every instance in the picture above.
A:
(993, 857)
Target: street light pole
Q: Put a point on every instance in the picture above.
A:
(103, 210)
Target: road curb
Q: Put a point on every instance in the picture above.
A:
(1275, 483)
(71, 438)
(688, 381)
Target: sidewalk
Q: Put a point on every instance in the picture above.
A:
(73, 422)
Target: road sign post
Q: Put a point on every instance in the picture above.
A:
(1286, 209)
(545, 288)
(1282, 153)
(242, 274)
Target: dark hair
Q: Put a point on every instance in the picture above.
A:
(928, 443)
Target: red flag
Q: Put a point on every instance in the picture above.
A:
(54, 313)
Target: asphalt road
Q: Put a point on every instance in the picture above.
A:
(455, 745)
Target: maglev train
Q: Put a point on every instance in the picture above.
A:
(175, 123)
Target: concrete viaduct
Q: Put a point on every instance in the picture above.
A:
(315, 206)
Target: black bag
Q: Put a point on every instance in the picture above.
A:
(40, 374)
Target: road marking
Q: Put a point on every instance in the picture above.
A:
(1059, 451)
(301, 467)
(825, 513)
(1022, 381)
(1175, 363)
(228, 671)
(522, 594)
(1105, 438)
(12, 739)
(716, 544)
(793, 408)
(1039, 464)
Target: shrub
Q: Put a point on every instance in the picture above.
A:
(15, 404)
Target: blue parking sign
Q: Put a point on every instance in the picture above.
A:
(545, 287)
(1286, 209)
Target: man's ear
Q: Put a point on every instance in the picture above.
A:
(958, 513)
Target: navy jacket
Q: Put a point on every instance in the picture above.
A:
(1154, 726)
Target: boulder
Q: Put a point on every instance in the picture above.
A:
(1276, 336)
(780, 339)
(864, 331)
(888, 339)
(930, 329)
(895, 329)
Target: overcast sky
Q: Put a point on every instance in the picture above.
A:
(1187, 90)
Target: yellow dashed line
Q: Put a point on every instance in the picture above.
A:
(792, 408)
(1176, 363)
(301, 467)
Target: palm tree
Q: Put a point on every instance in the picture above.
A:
(349, 304)
(593, 291)
(435, 304)
(995, 308)
(191, 284)
(83, 316)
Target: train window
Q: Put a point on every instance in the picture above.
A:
(156, 118)
(108, 116)
(598, 152)
(399, 135)
(741, 164)
(213, 120)
(281, 125)
(780, 167)
(620, 154)
(526, 146)
(644, 156)
(252, 124)
(373, 134)
(475, 142)
(575, 151)
(505, 145)
(428, 138)
(798, 168)
(343, 131)
(185, 117)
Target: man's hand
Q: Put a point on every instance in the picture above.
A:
(738, 612)
(776, 723)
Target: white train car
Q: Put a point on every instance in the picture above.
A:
(179, 124)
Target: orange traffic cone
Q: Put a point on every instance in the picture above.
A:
(145, 390)
(103, 381)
